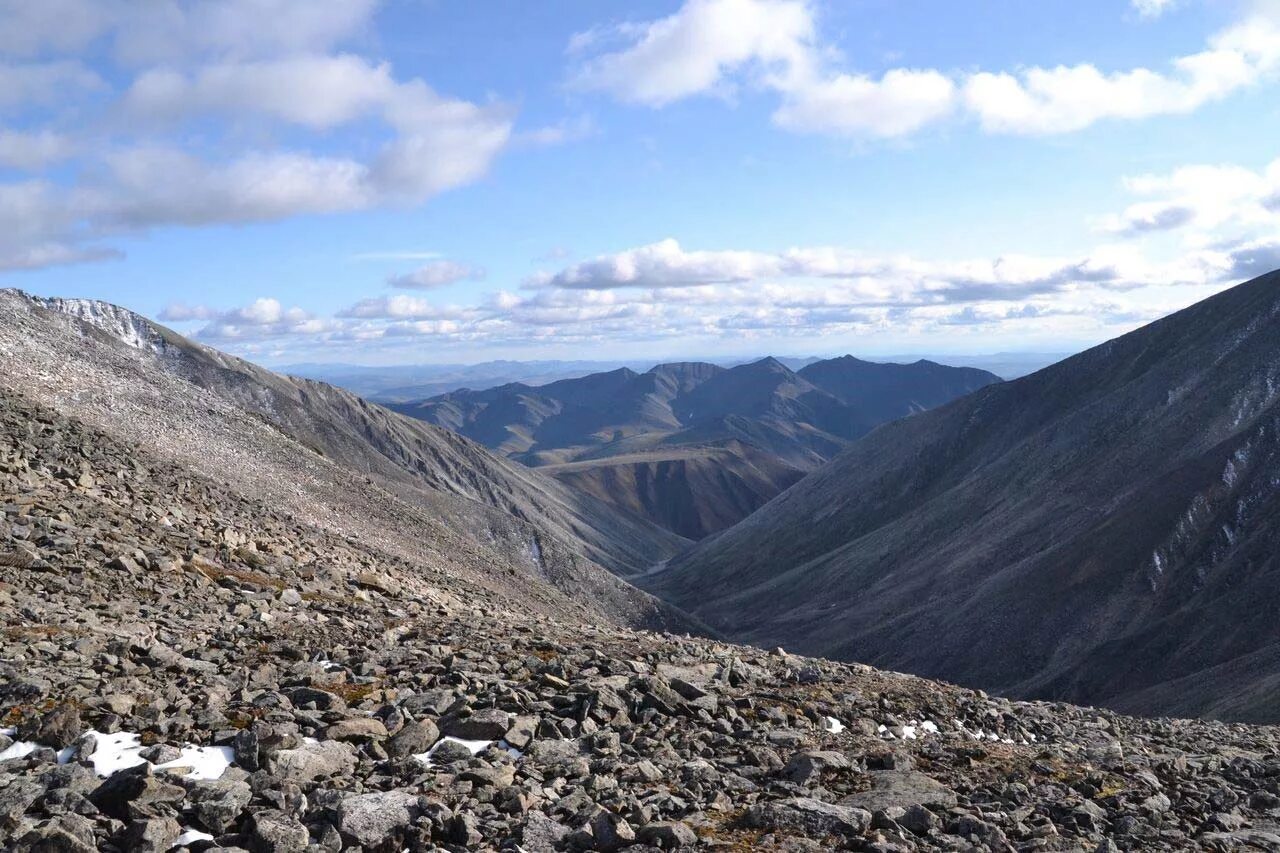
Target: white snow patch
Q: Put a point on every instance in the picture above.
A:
(832, 725)
(118, 751)
(189, 837)
(475, 746)
(9, 732)
(204, 762)
(912, 730)
(19, 749)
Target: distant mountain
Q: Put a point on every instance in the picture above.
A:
(694, 446)
(1006, 365)
(418, 493)
(1105, 531)
(402, 383)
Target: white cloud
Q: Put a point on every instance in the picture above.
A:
(400, 306)
(696, 50)
(436, 274)
(254, 93)
(661, 264)
(866, 279)
(901, 102)
(178, 31)
(262, 319)
(32, 151)
(252, 188)
(1069, 98)
(713, 46)
(44, 83)
(1209, 202)
(319, 92)
(171, 32)
(1152, 8)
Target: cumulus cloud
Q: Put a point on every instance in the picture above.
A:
(32, 151)
(1069, 98)
(401, 306)
(874, 280)
(710, 47)
(227, 75)
(177, 31)
(43, 83)
(1210, 201)
(437, 274)
(1152, 8)
(262, 319)
(713, 46)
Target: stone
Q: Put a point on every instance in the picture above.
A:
(809, 817)
(667, 834)
(151, 835)
(414, 739)
(217, 804)
(275, 831)
(56, 729)
(541, 834)
(16, 797)
(312, 761)
(371, 819)
(135, 793)
(900, 789)
(486, 724)
(357, 729)
(521, 732)
(68, 833)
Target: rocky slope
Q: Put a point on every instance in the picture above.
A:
(325, 455)
(1101, 531)
(186, 667)
(695, 447)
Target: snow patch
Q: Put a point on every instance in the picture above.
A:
(122, 324)
(475, 746)
(191, 836)
(831, 724)
(120, 750)
(19, 749)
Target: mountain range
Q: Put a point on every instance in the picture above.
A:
(1102, 531)
(693, 446)
(251, 612)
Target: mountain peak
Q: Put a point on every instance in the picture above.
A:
(122, 324)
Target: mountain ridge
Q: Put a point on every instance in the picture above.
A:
(652, 420)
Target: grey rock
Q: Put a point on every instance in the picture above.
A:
(901, 788)
(486, 724)
(414, 739)
(151, 835)
(370, 819)
(274, 831)
(217, 804)
(312, 761)
(69, 833)
(667, 834)
(809, 816)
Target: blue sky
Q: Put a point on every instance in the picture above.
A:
(419, 181)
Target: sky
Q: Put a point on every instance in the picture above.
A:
(431, 181)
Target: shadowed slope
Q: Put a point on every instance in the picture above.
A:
(1103, 530)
